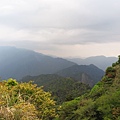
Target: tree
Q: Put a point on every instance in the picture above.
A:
(119, 59)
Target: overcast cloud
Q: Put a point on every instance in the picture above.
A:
(62, 27)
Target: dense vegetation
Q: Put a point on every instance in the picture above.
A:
(26, 101)
(101, 103)
(62, 89)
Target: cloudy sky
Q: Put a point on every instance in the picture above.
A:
(77, 28)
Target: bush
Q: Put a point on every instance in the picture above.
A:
(110, 69)
(25, 101)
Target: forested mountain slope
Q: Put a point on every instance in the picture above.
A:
(62, 89)
(88, 74)
(101, 103)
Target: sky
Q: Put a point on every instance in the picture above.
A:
(64, 28)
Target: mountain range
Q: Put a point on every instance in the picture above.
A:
(17, 63)
(100, 61)
(68, 83)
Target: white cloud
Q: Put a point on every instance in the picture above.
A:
(46, 24)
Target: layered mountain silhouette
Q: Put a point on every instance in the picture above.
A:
(68, 83)
(87, 74)
(17, 63)
(100, 61)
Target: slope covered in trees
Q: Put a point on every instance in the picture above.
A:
(26, 101)
(61, 88)
(101, 103)
(88, 74)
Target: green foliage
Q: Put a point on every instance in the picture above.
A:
(67, 109)
(25, 101)
(117, 63)
(101, 103)
(86, 110)
(97, 90)
(107, 105)
(110, 74)
(110, 69)
(62, 89)
(11, 82)
(107, 81)
(119, 59)
(66, 89)
(114, 64)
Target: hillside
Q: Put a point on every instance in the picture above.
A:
(88, 74)
(17, 63)
(74, 100)
(101, 103)
(101, 62)
(62, 89)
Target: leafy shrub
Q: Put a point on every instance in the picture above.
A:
(110, 69)
(25, 101)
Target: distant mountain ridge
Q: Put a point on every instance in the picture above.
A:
(17, 63)
(88, 74)
(100, 61)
